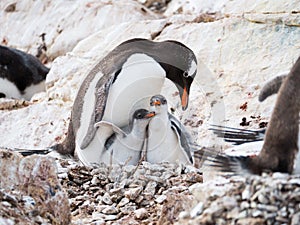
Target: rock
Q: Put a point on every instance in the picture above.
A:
(109, 210)
(133, 193)
(262, 199)
(295, 219)
(183, 215)
(58, 20)
(160, 199)
(229, 202)
(251, 221)
(110, 217)
(141, 213)
(106, 199)
(197, 210)
(123, 202)
(246, 193)
(67, 70)
(245, 205)
(7, 221)
(98, 216)
(34, 176)
(257, 213)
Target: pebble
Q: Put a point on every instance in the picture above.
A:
(229, 202)
(296, 219)
(246, 194)
(29, 202)
(106, 199)
(133, 193)
(110, 210)
(110, 217)
(141, 213)
(123, 202)
(97, 216)
(99, 222)
(295, 181)
(262, 199)
(197, 210)
(184, 215)
(257, 213)
(160, 199)
(245, 205)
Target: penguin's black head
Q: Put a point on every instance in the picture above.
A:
(180, 64)
(143, 114)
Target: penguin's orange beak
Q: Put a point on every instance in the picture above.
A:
(184, 99)
(157, 102)
(149, 115)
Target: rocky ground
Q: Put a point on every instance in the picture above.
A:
(145, 194)
(239, 45)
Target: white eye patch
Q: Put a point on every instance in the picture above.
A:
(192, 69)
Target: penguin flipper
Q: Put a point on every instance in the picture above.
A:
(271, 87)
(183, 136)
(101, 94)
(107, 132)
(114, 128)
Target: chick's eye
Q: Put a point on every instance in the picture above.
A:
(139, 115)
(185, 74)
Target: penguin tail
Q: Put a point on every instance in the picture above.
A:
(227, 164)
(67, 147)
(237, 136)
(27, 152)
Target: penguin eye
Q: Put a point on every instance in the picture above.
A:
(186, 74)
(139, 116)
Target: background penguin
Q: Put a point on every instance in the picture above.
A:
(239, 136)
(120, 147)
(21, 74)
(168, 140)
(271, 87)
(121, 83)
(280, 148)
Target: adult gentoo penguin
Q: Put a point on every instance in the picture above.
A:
(168, 140)
(280, 148)
(121, 83)
(21, 74)
(121, 147)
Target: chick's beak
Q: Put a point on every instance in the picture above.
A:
(150, 114)
(156, 102)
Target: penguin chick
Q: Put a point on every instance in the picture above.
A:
(121, 147)
(168, 139)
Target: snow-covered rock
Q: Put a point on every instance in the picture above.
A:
(64, 23)
(238, 49)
